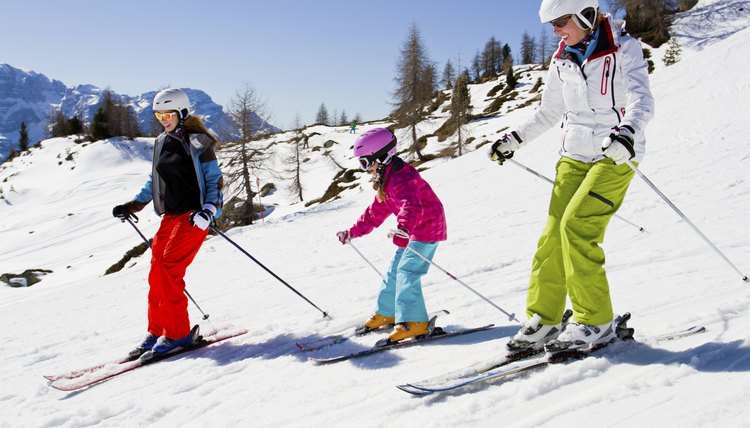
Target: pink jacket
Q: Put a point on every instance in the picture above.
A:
(411, 200)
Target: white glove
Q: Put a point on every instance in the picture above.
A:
(203, 218)
(618, 146)
(344, 236)
(503, 148)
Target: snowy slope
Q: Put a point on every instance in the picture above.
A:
(52, 216)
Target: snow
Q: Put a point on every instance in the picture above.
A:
(55, 214)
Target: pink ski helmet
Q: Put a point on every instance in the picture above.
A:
(377, 144)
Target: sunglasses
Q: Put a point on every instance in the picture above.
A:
(561, 22)
(167, 116)
(365, 162)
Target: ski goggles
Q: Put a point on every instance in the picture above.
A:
(561, 21)
(365, 162)
(166, 116)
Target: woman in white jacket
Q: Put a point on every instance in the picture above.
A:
(597, 85)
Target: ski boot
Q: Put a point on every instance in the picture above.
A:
(408, 330)
(165, 345)
(144, 347)
(375, 322)
(583, 337)
(533, 335)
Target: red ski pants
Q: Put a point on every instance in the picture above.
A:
(174, 247)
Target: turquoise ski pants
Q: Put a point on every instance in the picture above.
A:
(401, 290)
(569, 260)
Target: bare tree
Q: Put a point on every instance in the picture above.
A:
(415, 81)
(247, 111)
(542, 47)
(528, 49)
(476, 66)
(449, 75)
(492, 58)
(649, 20)
(460, 108)
(294, 163)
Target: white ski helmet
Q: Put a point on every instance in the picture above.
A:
(172, 99)
(583, 11)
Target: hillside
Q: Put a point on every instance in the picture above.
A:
(55, 213)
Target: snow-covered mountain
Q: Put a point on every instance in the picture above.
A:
(33, 97)
(55, 214)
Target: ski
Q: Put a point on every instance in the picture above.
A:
(506, 366)
(437, 334)
(348, 333)
(82, 378)
(80, 372)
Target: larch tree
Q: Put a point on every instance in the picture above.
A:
(460, 108)
(415, 86)
(449, 75)
(247, 111)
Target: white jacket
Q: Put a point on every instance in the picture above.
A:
(609, 89)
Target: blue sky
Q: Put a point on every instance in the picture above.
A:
(296, 54)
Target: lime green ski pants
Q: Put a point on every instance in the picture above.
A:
(569, 260)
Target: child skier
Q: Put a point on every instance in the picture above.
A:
(401, 191)
(185, 186)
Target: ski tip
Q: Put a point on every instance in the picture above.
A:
(409, 389)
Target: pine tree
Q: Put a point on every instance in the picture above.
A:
(510, 80)
(343, 119)
(322, 116)
(23, 138)
(673, 52)
(75, 126)
(507, 59)
(100, 125)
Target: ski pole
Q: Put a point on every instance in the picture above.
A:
(511, 317)
(687, 220)
(187, 293)
(218, 232)
(519, 164)
(365, 259)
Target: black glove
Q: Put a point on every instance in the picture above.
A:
(123, 213)
(504, 148)
(623, 151)
(204, 217)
